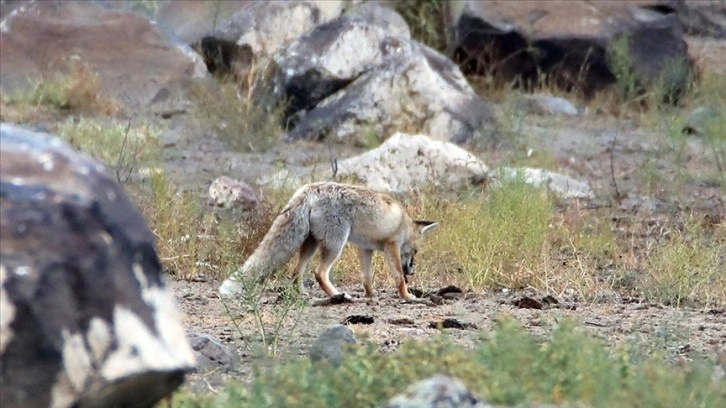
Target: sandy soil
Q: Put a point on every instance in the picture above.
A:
(679, 333)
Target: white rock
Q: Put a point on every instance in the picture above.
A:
(404, 162)
(563, 186)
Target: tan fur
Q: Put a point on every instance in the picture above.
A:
(323, 217)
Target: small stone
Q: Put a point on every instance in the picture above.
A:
(331, 344)
(211, 353)
(227, 192)
(436, 392)
(542, 104)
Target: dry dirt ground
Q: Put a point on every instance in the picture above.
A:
(581, 147)
(679, 333)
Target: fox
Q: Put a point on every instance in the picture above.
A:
(323, 217)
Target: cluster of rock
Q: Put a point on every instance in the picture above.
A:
(342, 68)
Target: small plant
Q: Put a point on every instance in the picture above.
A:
(237, 118)
(122, 147)
(687, 267)
(618, 55)
(583, 252)
(714, 136)
(78, 89)
(174, 217)
(269, 325)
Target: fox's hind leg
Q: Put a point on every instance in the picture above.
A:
(328, 256)
(330, 250)
(307, 250)
(365, 256)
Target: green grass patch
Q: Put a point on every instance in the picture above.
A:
(427, 20)
(493, 240)
(689, 266)
(123, 147)
(77, 89)
(192, 238)
(508, 367)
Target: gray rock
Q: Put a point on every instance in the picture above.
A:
(605, 296)
(561, 185)
(331, 343)
(189, 21)
(438, 391)
(212, 354)
(705, 18)
(542, 104)
(253, 34)
(363, 78)
(136, 64)
(703, 121)
(227, 192)
(86, 317)
(405, 162)
(570, 42)
(640, 204)
(385, 18)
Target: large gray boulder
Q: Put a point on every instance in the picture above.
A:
(136, 64)
(190, 20)
(362, 73)
(579, 45)
(86, 318)
(405, 163)
(246, 41)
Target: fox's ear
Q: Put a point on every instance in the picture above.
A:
(424, 226)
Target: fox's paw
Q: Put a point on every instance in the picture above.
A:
(409, 296)
(230, 289)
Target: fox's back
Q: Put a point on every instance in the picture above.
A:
(369, 214)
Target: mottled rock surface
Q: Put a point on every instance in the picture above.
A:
(86, 318)
(362, 74)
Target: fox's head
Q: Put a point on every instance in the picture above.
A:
(410, 247)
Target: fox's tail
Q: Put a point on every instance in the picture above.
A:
(287, 233)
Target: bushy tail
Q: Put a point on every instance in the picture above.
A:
(286, 235)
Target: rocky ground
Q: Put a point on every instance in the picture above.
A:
(581, 147)
(635, 164)
(680, 333)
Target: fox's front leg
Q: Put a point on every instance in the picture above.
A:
(393, 254)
